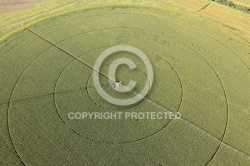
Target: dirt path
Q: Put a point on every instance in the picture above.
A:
(7, 6)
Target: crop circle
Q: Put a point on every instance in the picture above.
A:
(196, 72)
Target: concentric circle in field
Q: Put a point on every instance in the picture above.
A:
(124, 76)
(81, 96)
(46, 74)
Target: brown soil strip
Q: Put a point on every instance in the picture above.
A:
(16, 5)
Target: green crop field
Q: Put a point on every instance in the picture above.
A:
(201, 70)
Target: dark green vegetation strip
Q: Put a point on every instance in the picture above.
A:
(233, 5)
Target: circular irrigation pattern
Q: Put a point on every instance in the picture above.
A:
(47, 72)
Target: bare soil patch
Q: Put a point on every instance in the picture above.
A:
(7, 6)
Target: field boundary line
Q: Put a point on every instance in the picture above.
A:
(204, 7)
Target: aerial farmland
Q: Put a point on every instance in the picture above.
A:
(124, 83)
